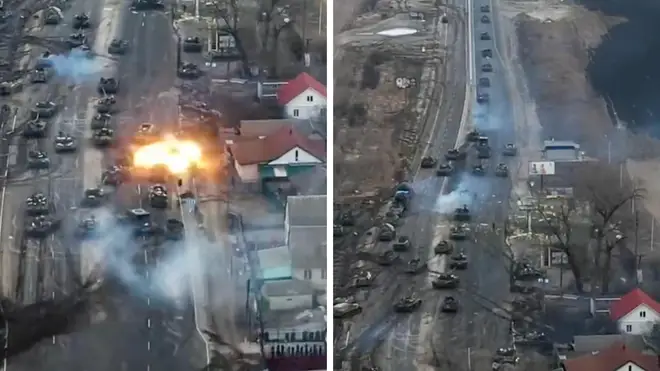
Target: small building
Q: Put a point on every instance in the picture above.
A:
(286, 295)
(303, 98)
(589, 344)
(274, 157)
(617, 357)
(635, 313)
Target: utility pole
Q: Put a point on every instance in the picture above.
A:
(637, 263)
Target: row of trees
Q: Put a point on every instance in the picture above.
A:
(611, 222)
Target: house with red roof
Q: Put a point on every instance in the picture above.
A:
(617, 357)
(276, 156)
(635, 313)
(303, 98)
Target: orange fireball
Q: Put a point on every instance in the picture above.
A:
(177, 155)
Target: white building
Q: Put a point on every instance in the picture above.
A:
(635, 313)
(288, 295)
(303, 98)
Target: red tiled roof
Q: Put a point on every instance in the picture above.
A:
(286, 93)
(611, 359)
(259, 151)
(630, 301)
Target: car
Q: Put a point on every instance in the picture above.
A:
(407, 304)
(345, 310)
(118, 47)
(146, 134)
(484, 36)
(502, 171)
(472, 135)
(174, 229)
(142, 5)
(402, 243)
(40, 226)
(510, 150)
(483, 98)
(65, 143)
(455, 154)
(108, 85)
(189, 71)
(114, 175)
(387, 258)
(478, 170)
(445, 281)
(93, 197)
(76, 40)
(39, 76)
(444, 170)
(428, 162)
(35, 129)
(486, 67)
(158, 197)
(485, 19)
(484, 82)
(44, 109)
(485, 8)
(483, 152)
(486, 53)
(81, 21)
(449, 305)
(192, 45)
(414, 266)
(103, 137)
(387, 232)
(37, 204)
(458, 232)
(462, 214)
(100, 121)
(87, 227)
(106, 105)
(38, 160)
(459, 261)
(443, 248)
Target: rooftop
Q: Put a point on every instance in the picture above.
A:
(278, 323)
(630, 301)
(287, 288)
(307, 210)
(275, 263)
(275, 145)
(612, 359)
(286, 93)
(308, 246)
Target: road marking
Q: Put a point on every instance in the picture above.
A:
(148, 322)
(149, 345)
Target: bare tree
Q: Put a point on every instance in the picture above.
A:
(226, 14)
(272, 27)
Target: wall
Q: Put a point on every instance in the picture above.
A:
(317, 280)
(247, 173)
(306, 110)
(639, 325)
(290, 158)
(289, 302)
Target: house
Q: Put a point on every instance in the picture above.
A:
(635, 313)
(303, 98)
(253, 129)
(306, 235)
(287, 295)
(589, 344)
(276, 156)
(617, 357)
(274, 264)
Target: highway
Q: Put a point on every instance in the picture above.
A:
(429, 337)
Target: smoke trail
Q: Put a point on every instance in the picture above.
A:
(470, 190)
(77, 65)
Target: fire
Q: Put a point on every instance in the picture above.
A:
(177, 155)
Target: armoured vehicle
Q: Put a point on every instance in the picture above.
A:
(39, 76)
(402, 243)
(362, 279)
(472, 136)
(100, 121)
(35, 129)
(37, 204)
(443, 248)
(108, 85)
(142, 5)
(462, 214)
(458, 232)
(459, 261)
(484, 82)
(387, 232)
(483, 152)
(77, 39)
(510, 150)
(44, 109)
(337, 230)
(114, 175)
(428, 162)
(81, 21)
(118, 47)
(444, 170)
(174, 229)
(345, 310)
(387, 258)
(87, 227)
(483, 98)
(502, 170)
(455, 154)
(189, 71)
(415, 266)
(40, 226)
(505, 356)
(103, 137)
(38, 160)
(486, 67)
(159, 174)
(487, 53)
(525, 271)
(146, 134)
(192, 45)
(52, 16)
(65, 143)
(407, 304)
(484, 36)
(93, 197)
(485, 8)
(485, 19)
(478, 170)
(158, 197)
(445, 281)
(106, 105)
(449, 305)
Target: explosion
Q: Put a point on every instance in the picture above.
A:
(177, 155)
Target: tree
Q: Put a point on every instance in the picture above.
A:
(610, 219)
(270, 12)
(226, 14)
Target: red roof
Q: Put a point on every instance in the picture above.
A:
(259, 151)
(611, 359)
(630, 301)
(286, 93)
